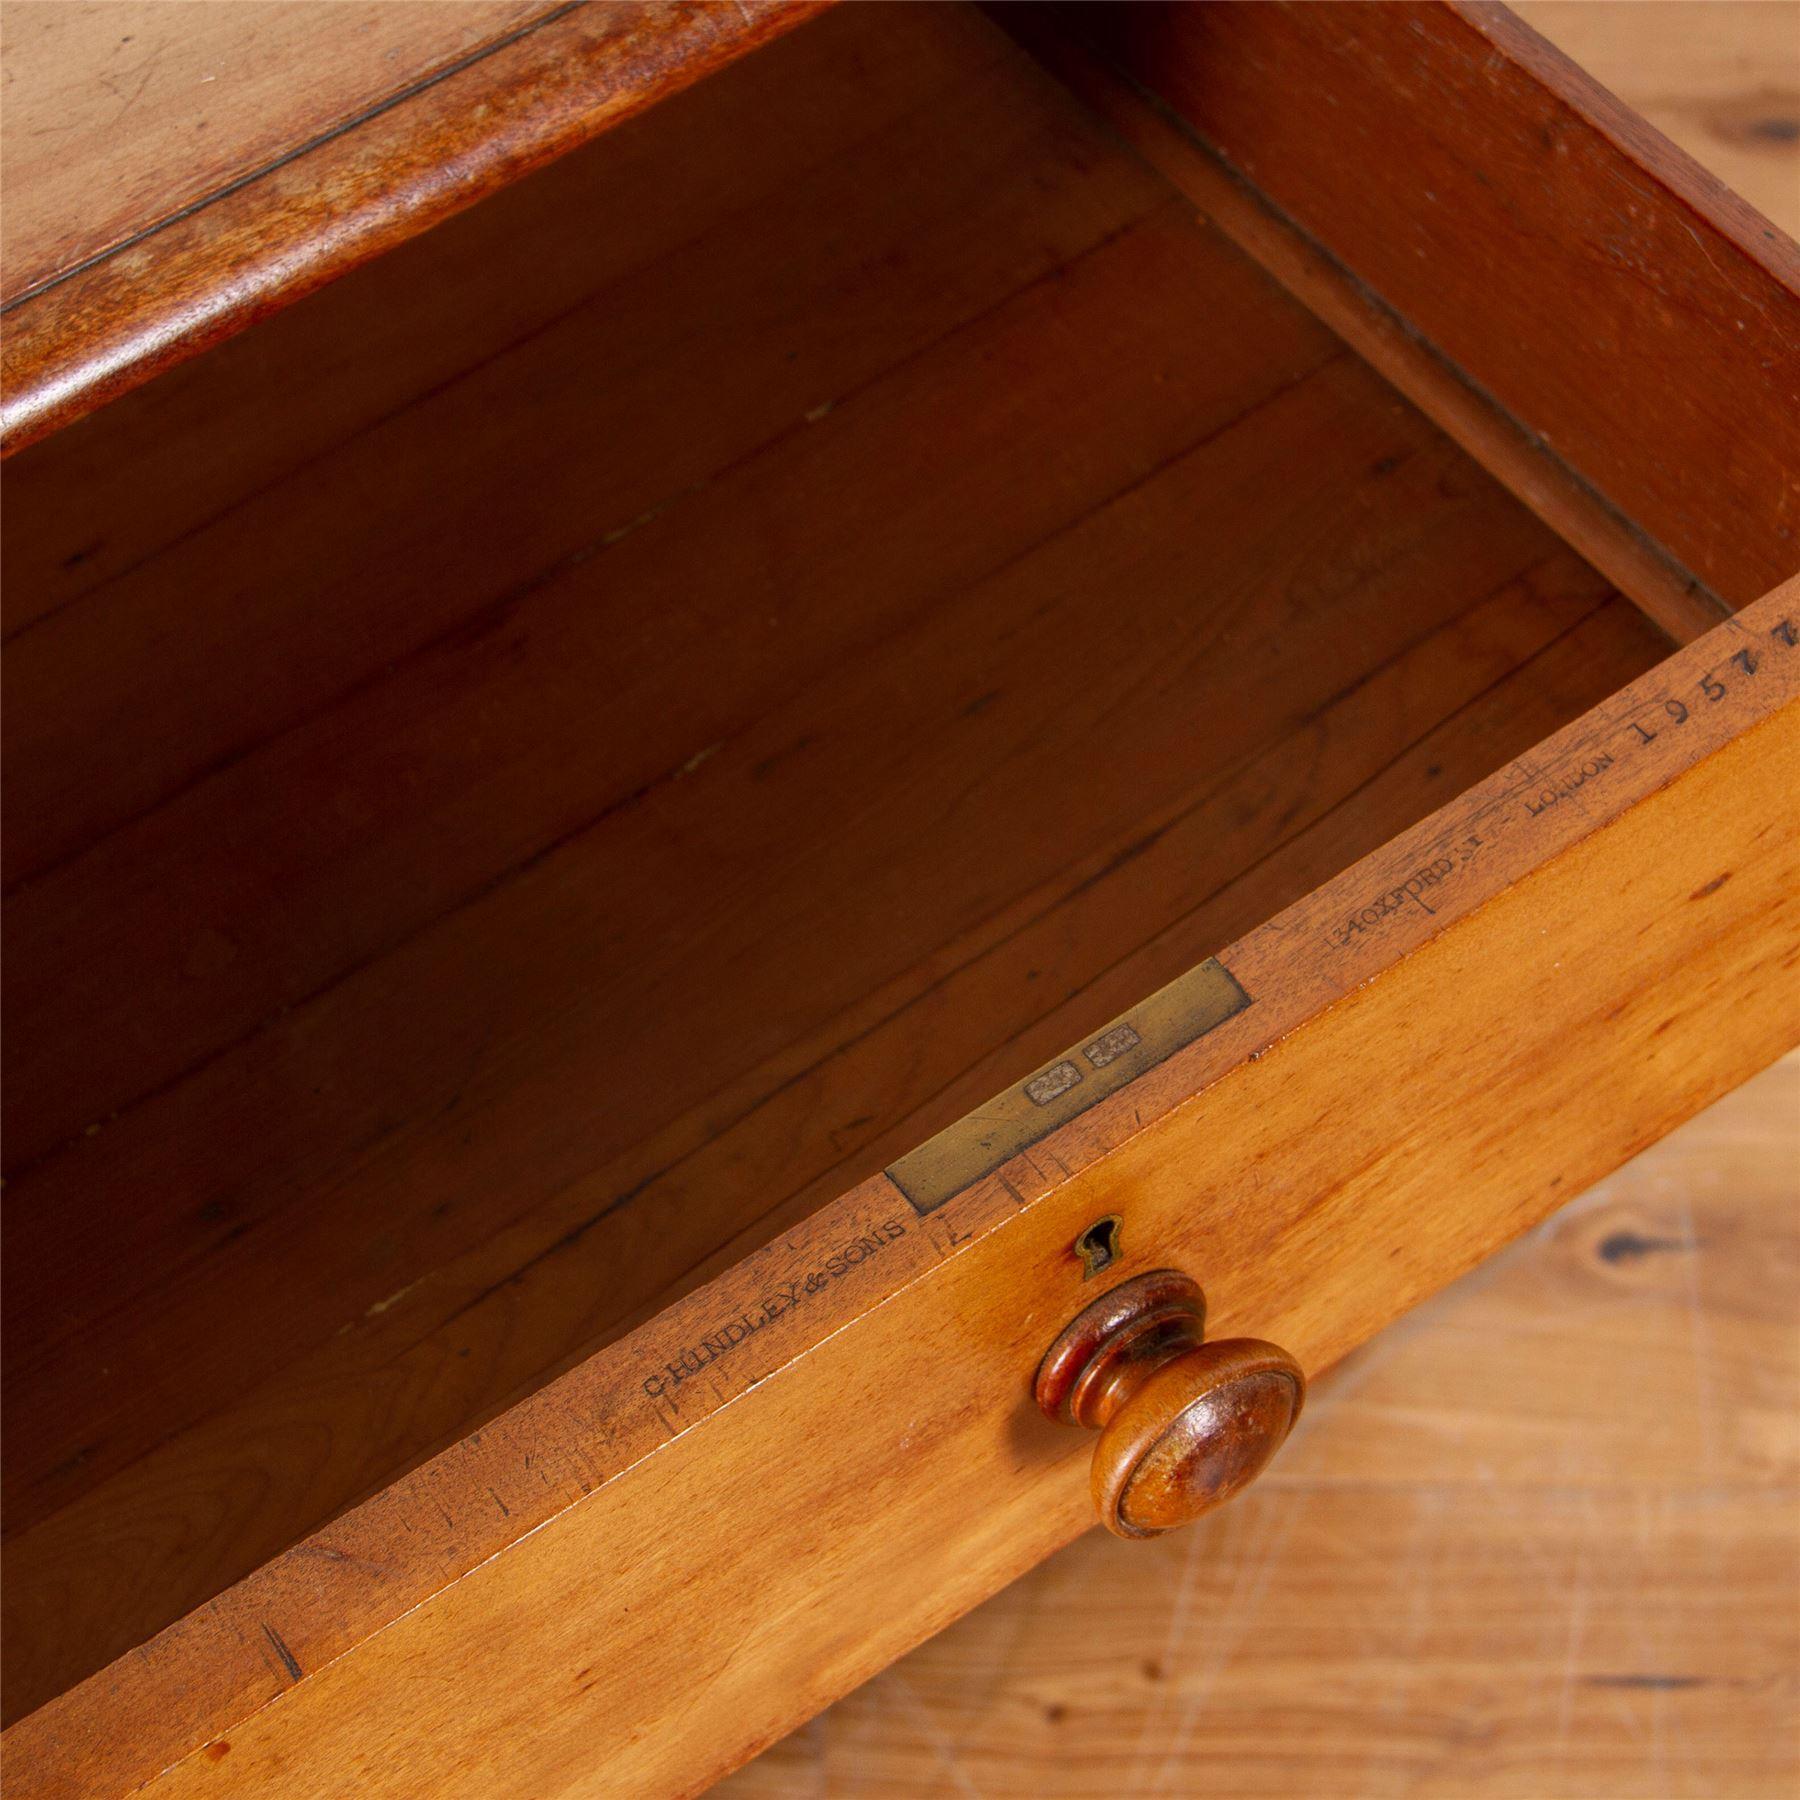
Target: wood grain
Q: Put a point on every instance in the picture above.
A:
(1513, 454)
(1555, 249)
(779, 655)
(623, 410)
(933, 1010)
(120, 113)
(254, 950)
(1313, 1237)
(1446, 1583)
(1720, 78)
(1481, 1592)
(206, 273)
(201, 1248)
(422, 1364)
(99, 498)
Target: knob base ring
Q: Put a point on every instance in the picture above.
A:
(1149, 1317)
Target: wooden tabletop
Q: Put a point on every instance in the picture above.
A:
(121, 113)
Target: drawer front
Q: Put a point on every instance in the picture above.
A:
(692, 1542)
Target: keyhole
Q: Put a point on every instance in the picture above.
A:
(1098, 1246)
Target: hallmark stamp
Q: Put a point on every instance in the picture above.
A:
(1160, 1024)
(1055, 1081)
(1110, 1044)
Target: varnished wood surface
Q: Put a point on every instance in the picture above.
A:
(190, 279)
(531, 1298)
(530, 1653)
(99, 499)
(1532, 229)
(623, 1059)
(1449, 1584)
(1538, 1538)
(120, 113)
(1184, 1425)
(278, 1651)
(1529, 467)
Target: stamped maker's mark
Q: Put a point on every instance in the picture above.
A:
(732, 1334)
(1539, 794)
(979, 1144)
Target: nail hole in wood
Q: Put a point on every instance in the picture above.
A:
(1098, 1246)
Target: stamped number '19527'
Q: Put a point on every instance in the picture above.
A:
(1535, 797)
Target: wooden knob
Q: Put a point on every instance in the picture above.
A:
(1183, 1424)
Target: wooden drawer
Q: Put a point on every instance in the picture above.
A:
(1214, 573)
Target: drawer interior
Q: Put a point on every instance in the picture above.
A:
(533, 770)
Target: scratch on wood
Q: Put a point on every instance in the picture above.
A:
(331, 1553)
(288, 1661)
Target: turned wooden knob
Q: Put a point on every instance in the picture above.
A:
(1183, 1424)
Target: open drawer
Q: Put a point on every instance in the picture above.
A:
(1173, 566)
